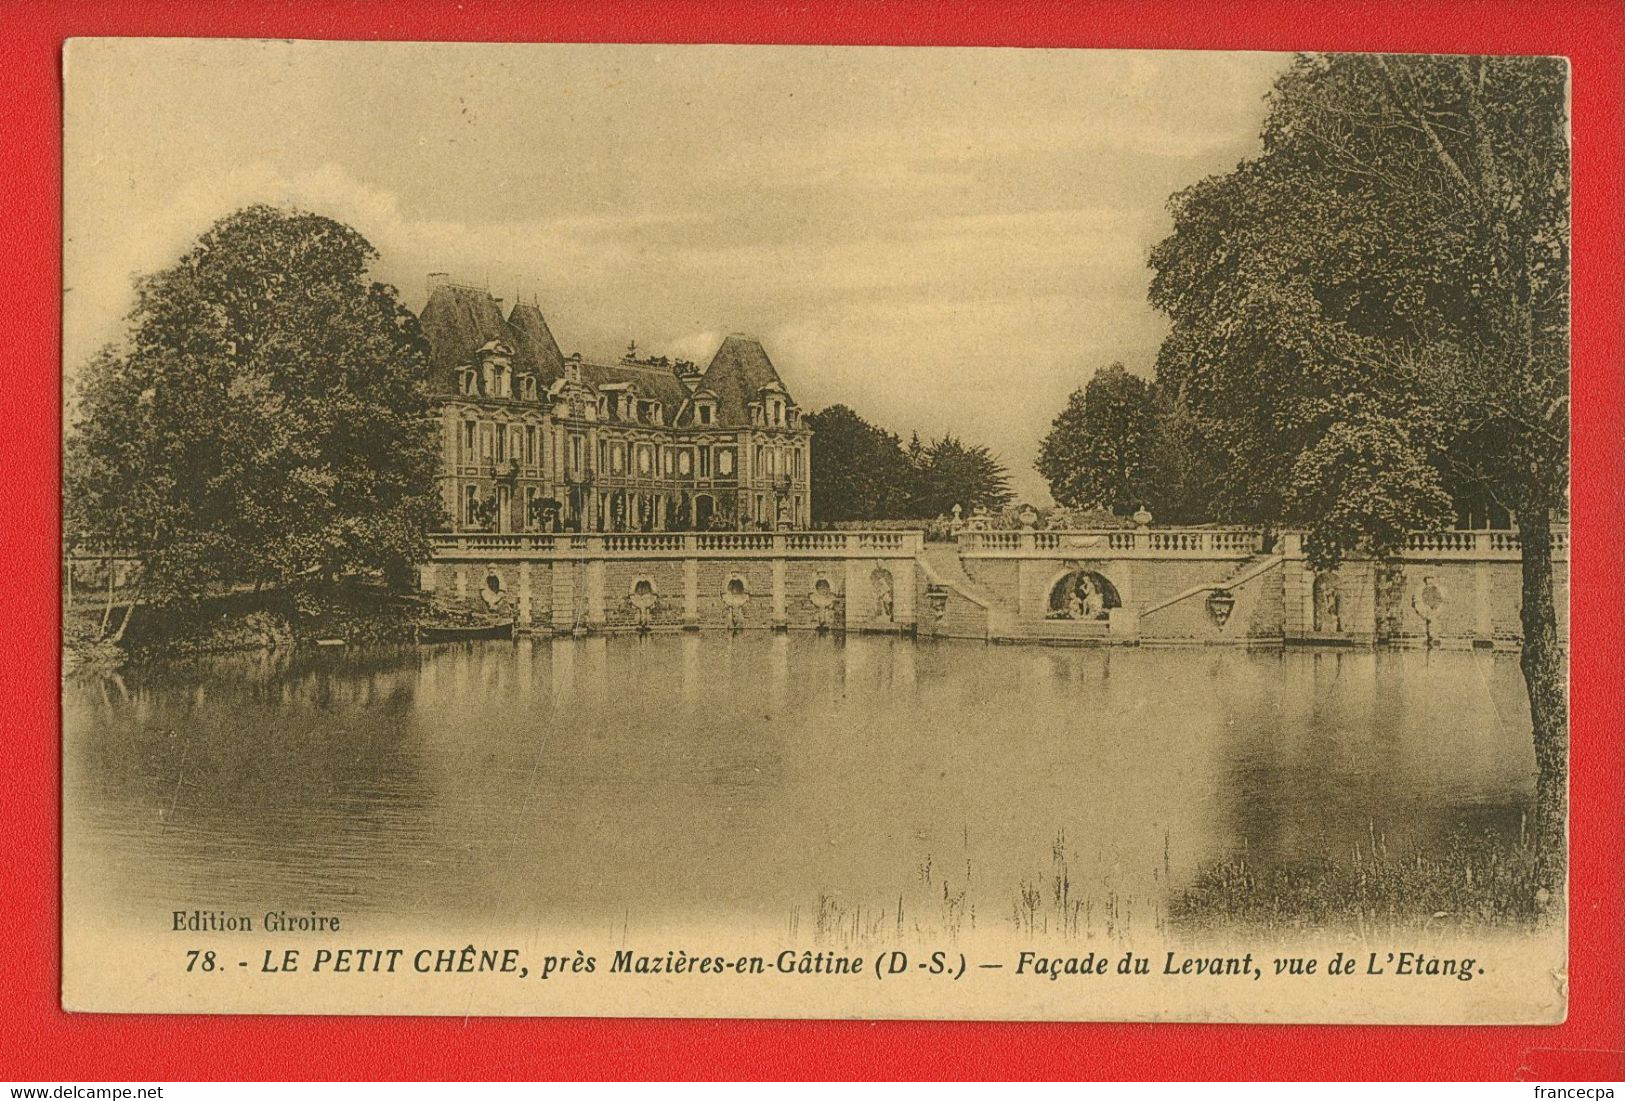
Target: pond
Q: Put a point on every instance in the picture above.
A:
(763, 781)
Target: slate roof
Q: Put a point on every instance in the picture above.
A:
(536, 341)
(736, 375)
(459, 320)
(652, 383)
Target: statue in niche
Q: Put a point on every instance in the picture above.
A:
(1428, 603)
(735, 596)
(492, 592)
(822, 599)
(644, 599)
(881, 580)
(1328, 603)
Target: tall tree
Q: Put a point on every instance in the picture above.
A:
(1098, 452)
(951, 472)
(267, 420)
(1371, 317)
(858, 470)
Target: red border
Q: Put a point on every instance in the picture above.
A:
(43, 1043)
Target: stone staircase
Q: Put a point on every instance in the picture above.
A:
(941, 565)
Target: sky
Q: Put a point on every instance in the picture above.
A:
(947, 240)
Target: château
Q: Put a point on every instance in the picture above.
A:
(533, 440)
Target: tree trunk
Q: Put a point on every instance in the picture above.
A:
(1542, 663)
(129, 609)
(107, 612)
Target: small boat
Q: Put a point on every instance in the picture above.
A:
(467, 632)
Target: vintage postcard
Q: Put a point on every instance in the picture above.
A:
(815, 532)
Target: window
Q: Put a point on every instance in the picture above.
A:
(530, 445)
(645, 460)
(756, 467)
(502, 443)
(603, 455)
(669, 461)
(575, 454)
(471, 503)
(704, 411)
(685, 462)
(468, 441)
(705, 462)
(797, 460)
(725, 462)
(617, 458)
(486, 445)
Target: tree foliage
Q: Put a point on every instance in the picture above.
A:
(858, 469)
(1392, 269)
(267, 419)
(1098, 453)
(863, 472)
(1370, 319)
(951, 472)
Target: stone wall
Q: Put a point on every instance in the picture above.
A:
(602, 593)
(1451, 598)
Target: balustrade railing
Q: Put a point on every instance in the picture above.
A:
(867, 543)
(1177, 541)
(1154, 542)
(1479, 544)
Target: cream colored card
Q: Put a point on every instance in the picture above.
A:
(641, 730)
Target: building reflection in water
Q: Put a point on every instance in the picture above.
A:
(690, 776)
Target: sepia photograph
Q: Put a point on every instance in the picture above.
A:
(815, 532)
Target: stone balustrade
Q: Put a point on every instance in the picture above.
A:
(761, 544)
(1477, 544)
(1231, 543)
(1118, 542)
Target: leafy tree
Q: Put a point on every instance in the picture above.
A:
(1371, 318)
(266, 421)
(950, 472)
(858, 470)
(1099, 449)
(1182, 467)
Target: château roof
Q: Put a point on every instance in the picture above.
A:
(651, 383)
(736, 375)
(459, 320)
(536, 340)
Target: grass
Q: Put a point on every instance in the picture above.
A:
(1468, 881)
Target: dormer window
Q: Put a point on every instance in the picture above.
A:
(527, 388)
(705, 413)
(468, 382)
(603, 408)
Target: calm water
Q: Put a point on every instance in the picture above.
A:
(684, 778)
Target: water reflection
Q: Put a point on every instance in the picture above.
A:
(686, 777)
